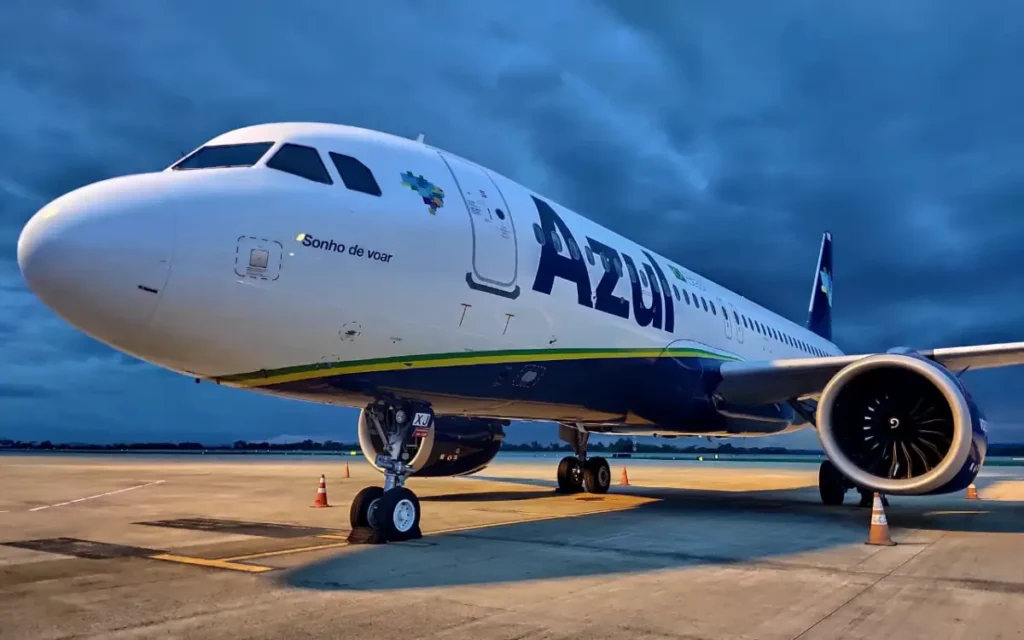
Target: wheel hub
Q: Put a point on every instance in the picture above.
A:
(404, 515)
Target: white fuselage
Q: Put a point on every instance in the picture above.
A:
(235, 274)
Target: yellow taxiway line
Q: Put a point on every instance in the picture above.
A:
(343, 539)
(284, 552)
(216, 564)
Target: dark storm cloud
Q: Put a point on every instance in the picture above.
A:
(725, 135)
(21, 391)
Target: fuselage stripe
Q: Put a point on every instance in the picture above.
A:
(396, 363)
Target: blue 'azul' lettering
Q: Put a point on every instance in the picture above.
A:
(553, 264)
(573, 268)
(644, 315)
(604, 299)
(666, 293)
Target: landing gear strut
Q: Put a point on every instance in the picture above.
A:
(578, 473)
(393, 511)
(833, 486)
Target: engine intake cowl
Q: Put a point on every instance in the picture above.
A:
(452, 446)
(901, 424)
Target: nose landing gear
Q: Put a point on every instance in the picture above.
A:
(392, 512)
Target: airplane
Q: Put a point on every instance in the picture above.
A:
(339, 265)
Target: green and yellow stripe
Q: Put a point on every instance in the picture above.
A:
(458, 359)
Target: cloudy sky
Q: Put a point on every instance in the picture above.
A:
(726, 135)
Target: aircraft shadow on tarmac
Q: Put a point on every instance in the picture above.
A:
(678, 528)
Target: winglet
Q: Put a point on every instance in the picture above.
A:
(819, 314)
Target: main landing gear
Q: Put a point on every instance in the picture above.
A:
(392, 512)
(578, 473)
(833, 486)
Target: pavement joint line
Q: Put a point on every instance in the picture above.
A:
(204, 562)
(98, 495)
(867, 588)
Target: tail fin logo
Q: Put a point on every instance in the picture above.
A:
(826, 285)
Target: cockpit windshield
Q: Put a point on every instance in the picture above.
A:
(224, 155)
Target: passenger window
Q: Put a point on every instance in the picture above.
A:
(745, 322)
(217, 156)
(704, 303)
(675, 290)
(302, 161)
(606, 264)
(590, 255)
(556, 242)
(538, 233)
(574, 250)
(617, 263)
(713, 310)
(632, 273)
(736, 315)
(643, 279)
(356, 175)
(686, 296)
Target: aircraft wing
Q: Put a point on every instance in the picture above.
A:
(768, 381)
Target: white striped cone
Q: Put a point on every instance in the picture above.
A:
(879, 532)
(321, 493)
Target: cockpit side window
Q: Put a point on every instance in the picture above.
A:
(302, 161)
(224, 155)
(356, 175)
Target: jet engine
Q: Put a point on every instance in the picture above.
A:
(451, 446)
(898, 423)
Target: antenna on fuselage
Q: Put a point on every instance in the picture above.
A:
(419, 138)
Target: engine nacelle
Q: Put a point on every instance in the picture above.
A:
(898, 423)
(452, 446)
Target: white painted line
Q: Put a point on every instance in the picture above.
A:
(99, 495)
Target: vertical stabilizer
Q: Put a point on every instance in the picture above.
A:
(819, 315)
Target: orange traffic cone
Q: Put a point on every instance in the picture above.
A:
(321, 494)
(972, 492)
(879, 533)
(347, 474)
(625, 478)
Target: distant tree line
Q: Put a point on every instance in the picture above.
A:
(238, 445)
(622, 445)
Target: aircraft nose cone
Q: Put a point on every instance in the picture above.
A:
(99, 257)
